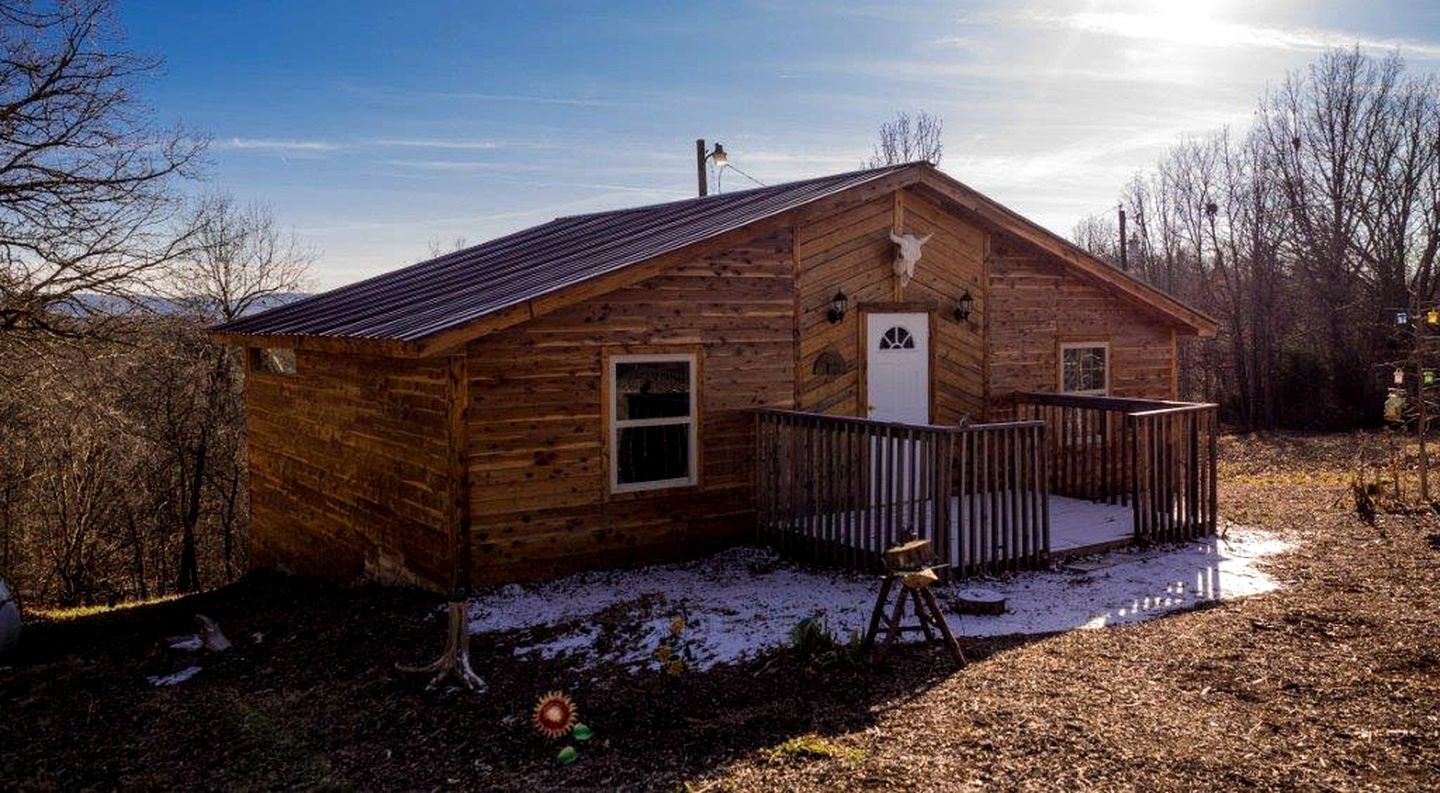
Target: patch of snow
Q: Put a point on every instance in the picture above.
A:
(745, 600)
(186, 644)
(575, 641)
(174, 679)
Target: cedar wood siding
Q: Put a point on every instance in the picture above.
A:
(348, 475)
(1039, 304)
(540, 500)
(851, 250)
(349, 457)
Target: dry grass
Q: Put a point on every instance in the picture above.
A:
(1332, 683)
(61, 614)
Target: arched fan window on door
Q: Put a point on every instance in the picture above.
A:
(897, 338)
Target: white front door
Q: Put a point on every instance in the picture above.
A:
(897, 367)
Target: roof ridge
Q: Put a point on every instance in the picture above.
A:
(746, 191)
(413, 302)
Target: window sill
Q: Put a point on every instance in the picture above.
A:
(651, 487)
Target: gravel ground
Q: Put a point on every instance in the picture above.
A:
(1331, 683)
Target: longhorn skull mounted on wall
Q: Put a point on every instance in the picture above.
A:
(907, 254)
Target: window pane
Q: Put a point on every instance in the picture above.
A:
(652, 390)
(653, 454)
(1083, 369)
(274, 360)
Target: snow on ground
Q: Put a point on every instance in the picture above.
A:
(742, 601)
(174, 679)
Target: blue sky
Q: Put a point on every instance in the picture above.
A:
(375, 128)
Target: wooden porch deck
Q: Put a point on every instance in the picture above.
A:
(1081, 475)
(1079, 527)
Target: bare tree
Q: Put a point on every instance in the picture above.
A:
(908, 138)
(1303, 237)
(85, 177)
(439, 247)
(237, 258)
(1100, 235)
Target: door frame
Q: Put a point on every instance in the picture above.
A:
(862, 399)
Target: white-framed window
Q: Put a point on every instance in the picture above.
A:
(1085, 367)
(273, 360)
(652, 421)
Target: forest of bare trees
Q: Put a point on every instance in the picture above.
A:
(123, 468)
(1301, 235)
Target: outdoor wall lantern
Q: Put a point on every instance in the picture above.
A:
(838, 304)
(962, 309)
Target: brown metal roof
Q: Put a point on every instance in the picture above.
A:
(436, 295)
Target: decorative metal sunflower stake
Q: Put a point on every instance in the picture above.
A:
(554, 714)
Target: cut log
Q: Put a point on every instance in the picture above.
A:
(979, 601)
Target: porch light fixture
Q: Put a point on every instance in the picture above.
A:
(962, 309)
(838, 304)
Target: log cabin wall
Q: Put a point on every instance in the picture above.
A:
(538, 428)
(348, 474)
(1039, 304)
(351, 471)
(846, 245)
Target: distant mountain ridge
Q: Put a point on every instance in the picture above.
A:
(89, 303)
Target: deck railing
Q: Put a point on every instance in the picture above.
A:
(1002, 500)
(1157, 457)
(841, 490)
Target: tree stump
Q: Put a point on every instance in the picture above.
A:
(979, 601)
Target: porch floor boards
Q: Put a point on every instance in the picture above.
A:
(1078, 527)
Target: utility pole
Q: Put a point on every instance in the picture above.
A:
(1124, 242)
(1420, 318)
(700, 165)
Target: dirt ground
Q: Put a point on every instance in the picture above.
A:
(1332, 683)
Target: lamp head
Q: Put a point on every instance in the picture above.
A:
(963, 307)
(838, 305)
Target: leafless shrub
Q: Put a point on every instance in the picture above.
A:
(908, 138)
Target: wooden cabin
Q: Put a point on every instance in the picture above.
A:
(587, 392)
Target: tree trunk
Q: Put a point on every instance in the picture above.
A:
(188, 579)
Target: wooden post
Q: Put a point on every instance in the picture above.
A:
(700, 165)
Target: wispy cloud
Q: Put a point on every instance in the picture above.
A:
(421, 143)
(461, 165)
(1201, 31)
(398, 94)
(576, 101)
(282, 146)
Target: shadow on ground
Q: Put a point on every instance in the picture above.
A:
(310, 698)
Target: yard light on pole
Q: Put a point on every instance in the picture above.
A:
(701, 156)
